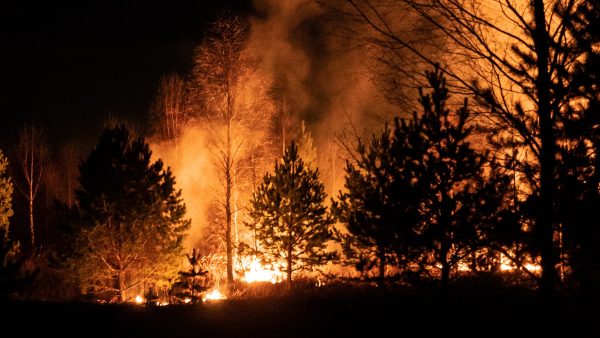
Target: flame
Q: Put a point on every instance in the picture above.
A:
(187, 300)
(463, 266)
(139, 299)
(258, 273)
(507, 265)
(533, 267)
(215, 294)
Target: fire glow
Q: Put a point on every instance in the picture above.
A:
(214, 294)
(507, 265)
(258, 273)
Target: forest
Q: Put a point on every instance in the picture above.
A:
(383, 149)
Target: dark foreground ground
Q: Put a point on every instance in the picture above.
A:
(381, 314)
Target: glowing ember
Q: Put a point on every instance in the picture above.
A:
(139, 299)
(258, 273)
(213, 295)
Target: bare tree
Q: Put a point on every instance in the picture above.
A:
(394, 69)
(169, 109)
(32, 152)
(234, 104)
(514, 56)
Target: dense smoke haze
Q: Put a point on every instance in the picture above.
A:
(316, 72)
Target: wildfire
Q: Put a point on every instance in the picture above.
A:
(507, 265)
(213, 295)
(258, 273)
(139, 299)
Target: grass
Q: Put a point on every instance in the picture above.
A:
(333, 311)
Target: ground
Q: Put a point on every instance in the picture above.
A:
(366, 314)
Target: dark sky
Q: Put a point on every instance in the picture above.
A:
(66, 66)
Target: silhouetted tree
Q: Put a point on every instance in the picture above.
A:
(445, 170)
(291, 222)
(579, 165)
(130, 223)
(523, 87)
(379, 207)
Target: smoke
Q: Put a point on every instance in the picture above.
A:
(192, 166)
(324, 73)
(326, 77)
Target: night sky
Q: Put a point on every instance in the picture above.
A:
(67, 66)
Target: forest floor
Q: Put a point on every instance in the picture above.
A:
(376, 314)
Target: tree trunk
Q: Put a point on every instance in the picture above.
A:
(443, 260)
(544, 219)
(445, 273)
(289, 267)
(228, 218)
(382, 263)
(31, 226)
(121, 281)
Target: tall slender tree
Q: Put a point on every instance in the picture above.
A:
(169, 110)
(32, 152)
(232, 103)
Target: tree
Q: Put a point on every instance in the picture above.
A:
(233, 106)
(169, 109)
(579, 166)
(523, 87)
(191, 283)
(32, 153)
(8, 247)
(291, 223)
(380, 204)
(446, 166)
(419, 193)
(130, 224)
(306, 148)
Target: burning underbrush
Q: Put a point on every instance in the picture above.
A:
(204, 281)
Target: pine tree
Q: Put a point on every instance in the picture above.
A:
(446, 167)
(194, 281)
(130, 224)
(579, 143)
(379, 206)
(291, 222)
